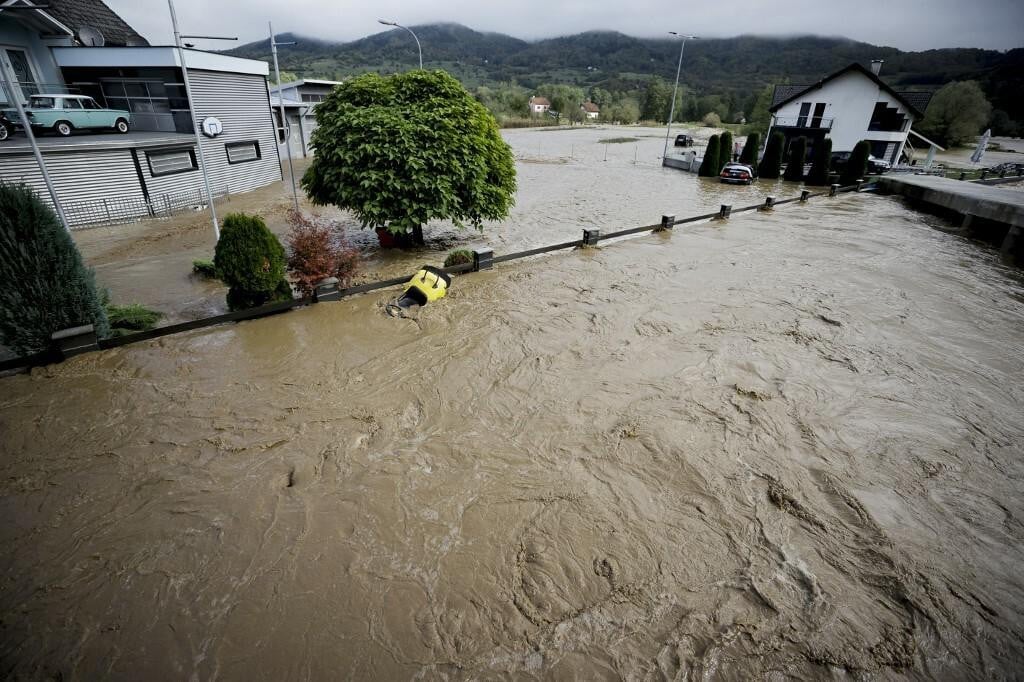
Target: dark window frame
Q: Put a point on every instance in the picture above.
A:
(805, 110)
(243, 143)
(170, 150)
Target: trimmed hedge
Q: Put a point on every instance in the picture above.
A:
(819, 167)
(710, 167)
(44, 285)
(724, 150)
(771, 163)
(857, 165)
(797, 158)
(250, 260)
(750, 149)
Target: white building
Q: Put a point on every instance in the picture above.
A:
(539, 105)
(300, 99)
(590, 110)
(850, 105)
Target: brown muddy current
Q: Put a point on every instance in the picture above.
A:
(785, 445)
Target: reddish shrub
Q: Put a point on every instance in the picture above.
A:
(317, 249)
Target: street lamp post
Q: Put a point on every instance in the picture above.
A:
(284, 121)
(397, 25)
(672, 108)
(195, 127)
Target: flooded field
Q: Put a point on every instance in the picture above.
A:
(785, 445)
(568, 179)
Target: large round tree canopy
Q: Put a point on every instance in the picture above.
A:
(406, 149)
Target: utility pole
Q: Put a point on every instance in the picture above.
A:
(397, 25)
(195, 124)
(672, 109)
(284, 121)
(9, 85)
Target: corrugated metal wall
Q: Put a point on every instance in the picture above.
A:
(241, 103)
(78, 177)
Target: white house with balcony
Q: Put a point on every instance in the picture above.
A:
(848, 106)
(539, 105)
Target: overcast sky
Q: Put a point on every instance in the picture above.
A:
(906, 24)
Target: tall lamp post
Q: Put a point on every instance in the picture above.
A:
(397, 25)
(195, 128)
(672, 109)
(284, 121)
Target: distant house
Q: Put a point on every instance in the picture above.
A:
(590, 110)
(848, 106)
(300, 99)
(539, 105)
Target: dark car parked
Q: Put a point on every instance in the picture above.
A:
(684, 141)
(6, 127)
(876, 166)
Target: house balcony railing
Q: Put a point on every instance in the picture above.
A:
(812, 122)
(29, 88)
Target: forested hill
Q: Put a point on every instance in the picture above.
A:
(615, 61)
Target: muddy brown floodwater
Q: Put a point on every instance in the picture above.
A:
(788, 445)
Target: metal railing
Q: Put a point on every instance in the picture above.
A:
(29, 88)
(119, 210)
(811, 122)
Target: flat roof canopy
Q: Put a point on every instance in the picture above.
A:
(162, 56)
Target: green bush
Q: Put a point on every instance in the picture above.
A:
(818, 174)
(250, 260)
(857, 165)
(458, 257)
(710, 167)
(771, 162)
(205, 268)
(44, 286)
(406, 149)
(797, 158)
(134, 317)
(724, 150)
(750, 149)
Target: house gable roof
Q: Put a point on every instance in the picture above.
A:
(542, 101)
(784, 94)
(78, 13)
(590, 107)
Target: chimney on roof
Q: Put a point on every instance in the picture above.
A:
(876, 66)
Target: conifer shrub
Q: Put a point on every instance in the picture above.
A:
(44, 285)
(251, 261)
(818, 174)
(317, 249)
(771, 163)
(750, 149)
(797, 157)
(458, 257)
(724, 150)
(857, 165)
(710, 167)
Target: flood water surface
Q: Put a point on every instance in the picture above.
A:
(784, 445)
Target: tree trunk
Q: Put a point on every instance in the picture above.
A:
(417, 236)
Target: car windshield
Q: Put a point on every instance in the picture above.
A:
(41, 103)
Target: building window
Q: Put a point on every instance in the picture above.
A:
(171, 162)
(241, 152)
(313, 98)
(805, 109)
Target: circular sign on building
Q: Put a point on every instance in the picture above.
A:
(212, 127)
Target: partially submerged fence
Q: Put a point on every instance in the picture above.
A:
(117, 210)
(70, 342)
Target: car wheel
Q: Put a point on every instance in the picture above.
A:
(4, 133)
(63, 128)
(121, 126)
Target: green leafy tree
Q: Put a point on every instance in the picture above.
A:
(857, 165)
(44, 286)
(724, 149)
(657, 98)
(771, 162)
(797, 157)
(760, 117)
(818, 174)
(251, 261)
(750, 149)
(710, 167)
(601, 97)
(956, 114)
(403, 150)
